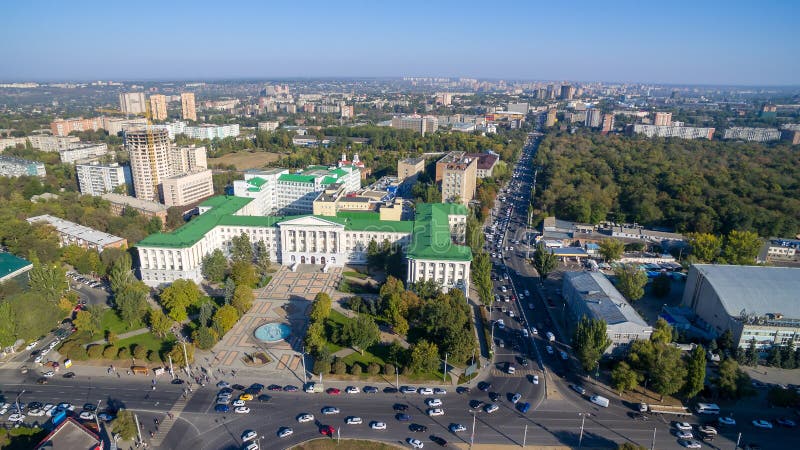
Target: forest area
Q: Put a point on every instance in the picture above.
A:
(686, 185)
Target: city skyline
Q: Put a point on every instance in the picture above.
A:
(711, 43)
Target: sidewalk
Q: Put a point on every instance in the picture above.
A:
(122, 336)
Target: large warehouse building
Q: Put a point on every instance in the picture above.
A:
(591, 294)
(754, 302)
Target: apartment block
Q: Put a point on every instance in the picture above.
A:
(150, 160)
(752, 134)
(132, 103)
(188, 110)
(188, 158)
(409, 167)
(268, 126)
(551, 118)
(662, 119)
(457, 173)
(63, 127)
(71, 233)
(117, 125)
(158, 107)
(97, 179)
(207, 131)
(43, 142)
(118, 204)
(187, 188)
(594, 118)
(18, 167)
(81, 152)
(674, 131)
(608, 123)
(420, 124)
(485, 163)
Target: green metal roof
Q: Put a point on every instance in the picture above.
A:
(190, 233)
(369, 221)
(10, 264)
(257, 181)
(431, 236)
(297, 178)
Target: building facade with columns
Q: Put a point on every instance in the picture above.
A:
(432, 242)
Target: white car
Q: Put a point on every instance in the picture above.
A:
(425, 391)
(303, 418)
(66, 406)
(352, 390)
(516, 398)
(249, 435)
(683, 426)
(38, 359)
(250, 446)
(285, 432)
(378, 425)
(434, 412)
(44, 352)
(16, 417)
(762, 424)
(726, 421)
(534, 330)
(31, 345)
(433, 402)
(681, 434)
(36, 412)
(49, 374)
(535, 379)
(328, 410)
(87, 415)
(500, 324)
(238, 403)
(242, 410)
(690, 444)
(416, 443)
(439, 391)
(490, 408)
(708, 430)
(353, 420)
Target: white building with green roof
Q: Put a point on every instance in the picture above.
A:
(433, 242)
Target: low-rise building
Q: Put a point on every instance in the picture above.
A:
(591, 294)
(752, 134)
(673, 131)
(187, 188)
(410, 167)
(119, 202)
(18, 167)
(71, 233)
(415, 122)
(207, 131)
(82, 152)
(756, 303)
(485, 163)
(97, 179)
(70, 434)
(777, 250)
(43, 142)
(268, 126)
(63, 127)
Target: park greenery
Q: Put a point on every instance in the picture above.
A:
(544, 260)
(688, 185)
(631, 280)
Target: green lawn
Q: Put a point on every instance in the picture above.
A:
(149, 340)
(354, 274)
(112, 322)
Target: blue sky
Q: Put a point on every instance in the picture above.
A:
(704, 42)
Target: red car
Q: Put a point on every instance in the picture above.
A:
(326, 430)
(333, 391)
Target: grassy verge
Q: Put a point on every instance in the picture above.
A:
(354, 274)
(350, 444)
(148, 340)
(111, 322)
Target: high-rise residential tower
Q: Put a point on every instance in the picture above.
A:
(150, 160)
(132, 103)
(188, 111)
(158, 107)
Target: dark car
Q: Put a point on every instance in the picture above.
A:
(238, 387)
(494, 396)
(35, 405)
(221, 408)
(42, 380)
(402, 417)
(264, 398)
(257, 386)
(370, 390)
(417, 428)
(463, 390)
(89, 407)
(226, 391)
(252, 391)
(400, 407)
(388, 390)
(484, 386)
(290, 388)
(475, 404)
(69, 375)
(441, 441)
(177, 381)
(275, 387)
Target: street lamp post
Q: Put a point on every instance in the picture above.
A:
(444, 372)
(583, 421)
(305, 372)
(17, 400)
(653, 445)
(472, 435)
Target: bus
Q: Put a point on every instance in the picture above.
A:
(707, 408)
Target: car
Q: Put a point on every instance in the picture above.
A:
(390, 390)
(245, 397)
(523, 362)
(249, 435)
(66, 406)
(435, 412)
(726, 421)
(49, 374)
(531, 306)
(474, 404)
(36, 412)
(264, 398)
(402, 417)
(238, 387)
(333, 391)
(494, 396)
(377, 425)
(516, 398)
(328, 410)
(683, 426)
(433, 402)
(417, 428)
(690, 443)
(786, 422)
(284, 432)
(500, 324)
(105, 417)
(370, 390)
(258, 386)
(38, 359)
(275, 387)
(223, 400)
(42, 380)
(681, 434)
(439, 391)
(352, 390)
(408, 390)
(91, 407)
(237, 403)
(303, 418)
(177, 381)
(415, 443)
(353, 420)
(223, 384)
(707, 430)
(523, 407)
(290, 388)
(252, 391)
(457, 427)
(16, 417)
(564, 355)
(535, 379)
(227, 391)
(400, 407)
(69, 375)
(425, 391)
(762, 424)
(86, 415)
(550, 350)
(219, 407)
(441, 441)
(490, 408)
(578, 388)
(484, 386)
(326, 430)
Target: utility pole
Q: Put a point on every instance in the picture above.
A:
(96, 412)
(583, 421)
(171, 370)
(444, 372)
(397, 377)
(525, 435)
(186, 357)
(472, 436)
(738, 439)
(19, 411)
(653, 445)
(338, 435)
(305, 372)
(138, 431)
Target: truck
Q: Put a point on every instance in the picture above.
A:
(313, 388)
(664, 409)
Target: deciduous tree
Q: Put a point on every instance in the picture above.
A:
(631, 281)
(424, 356)
(696, 372)
(360, 332)
(706, 247)
(225, 318)
(611, 249)
(590, 341)
(624, 378)
(741, 247)
(544, 261)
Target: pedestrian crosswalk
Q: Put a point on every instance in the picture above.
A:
(517, 373)
(172, 415)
